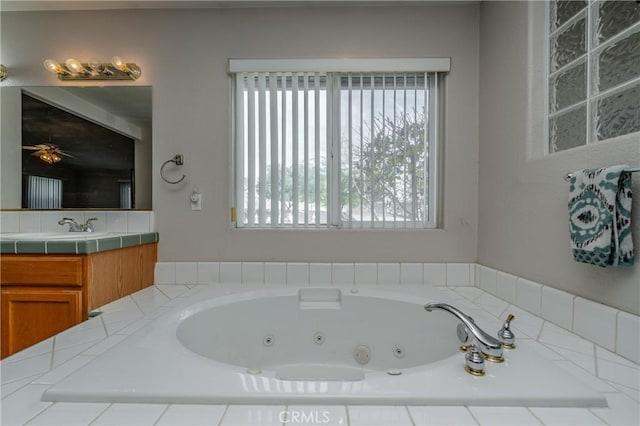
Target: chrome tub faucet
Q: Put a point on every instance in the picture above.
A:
(489, 346)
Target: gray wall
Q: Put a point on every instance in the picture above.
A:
(522, 198)
(183, 55)
(522, 209)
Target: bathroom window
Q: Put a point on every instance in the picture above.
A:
(337, 148)
(593, 72)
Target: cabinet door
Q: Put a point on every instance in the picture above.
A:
(30, 315)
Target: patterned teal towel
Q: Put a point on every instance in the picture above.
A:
(600, 216)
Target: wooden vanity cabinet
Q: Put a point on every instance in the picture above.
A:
(42, 295)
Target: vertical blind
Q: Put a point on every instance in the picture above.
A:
(335, 149)
(43, 193)
(126, 195)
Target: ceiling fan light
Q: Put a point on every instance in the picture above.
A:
(46, 157)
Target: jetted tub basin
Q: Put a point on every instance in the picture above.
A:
(315, 345)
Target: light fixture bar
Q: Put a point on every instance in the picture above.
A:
(74, 70)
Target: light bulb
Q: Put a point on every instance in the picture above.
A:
(119, 64)
(75, 66)
(52, 66)
(96, 64)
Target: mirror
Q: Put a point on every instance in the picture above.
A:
(76, 147)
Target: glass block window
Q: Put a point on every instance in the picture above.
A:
(593, 72)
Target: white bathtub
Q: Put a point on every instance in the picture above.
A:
(324, 345)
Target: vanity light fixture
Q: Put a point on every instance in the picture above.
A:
(94, 69)
(3, 72)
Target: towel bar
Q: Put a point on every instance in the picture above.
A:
(568, 176)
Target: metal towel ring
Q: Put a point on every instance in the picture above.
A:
(178, 160)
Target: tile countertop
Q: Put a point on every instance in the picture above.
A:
(82, 245)
(27, 374)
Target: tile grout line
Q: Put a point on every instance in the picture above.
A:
(534, 415)
(413, 422)
(224, 413)
(472, 415)
(109, 405)
(51, 404)
(162, 414)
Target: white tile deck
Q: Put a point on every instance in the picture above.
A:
(27, 374)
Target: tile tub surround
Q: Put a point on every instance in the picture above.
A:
(615, 330)
(85, 244)
(28, 373)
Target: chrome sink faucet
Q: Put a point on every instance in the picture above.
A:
(489, 346)
(88, 226)
(75, 227)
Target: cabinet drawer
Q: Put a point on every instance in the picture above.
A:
(41, 270)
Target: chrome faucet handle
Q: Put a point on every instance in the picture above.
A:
(88, 226)
(505, 335)
(474, 362)
(73, 225)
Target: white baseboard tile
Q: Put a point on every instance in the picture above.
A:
(460, 274)
(595, 322)
(343, 274)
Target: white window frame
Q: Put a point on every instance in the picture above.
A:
(387, 65)
(589, 55)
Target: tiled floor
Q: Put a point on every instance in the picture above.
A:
(27, 374)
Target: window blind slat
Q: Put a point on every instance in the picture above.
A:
(306, 148)
(362, 203)
(371, 151)
(251, 154)
(414, 181)
(316, 144)
(283, 147)
(404, 150)
(262, 150)
(294, 146)
(384, 140)
(239, 159)
(349, 106)
(273, 127)
(395, 147)
(334, 209)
